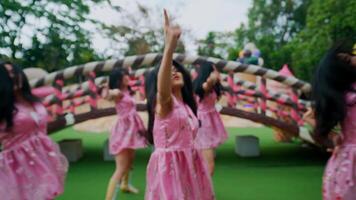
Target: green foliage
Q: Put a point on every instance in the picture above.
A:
(272, 25)
(54, 28)
(327, 22)
(297, 32)
(208, 46)
(50, 34)
(216, 44)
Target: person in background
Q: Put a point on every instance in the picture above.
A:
(127, 134)
(248, 58)
(212, 132)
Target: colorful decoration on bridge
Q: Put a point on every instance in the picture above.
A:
(70, 103)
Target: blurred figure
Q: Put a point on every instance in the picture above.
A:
(211, 132)
(126, 135)
(248, 58)
(31, 164)
(334, 93)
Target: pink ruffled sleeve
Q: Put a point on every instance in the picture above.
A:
(44, 91)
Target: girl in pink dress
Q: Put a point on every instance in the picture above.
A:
(127, 134)
(212, 133)
(176, 170)
(334, 91)
(31, 165)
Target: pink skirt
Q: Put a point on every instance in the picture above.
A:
(33, 169)
(212, 132)
(339, 181)
(178, 174)
(128, 133)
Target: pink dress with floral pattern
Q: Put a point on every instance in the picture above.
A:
(128, 132)
(176, 170)
(339, 182)
(212, 132)
(31, 164)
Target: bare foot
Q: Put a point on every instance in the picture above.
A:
(129, 189)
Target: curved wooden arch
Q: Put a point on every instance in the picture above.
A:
(273, 96)
(61, 122)
(153, 59)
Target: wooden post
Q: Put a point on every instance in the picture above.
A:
(263, 100)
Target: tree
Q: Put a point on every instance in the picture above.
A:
(54, 28)
(139, 32)
(216, 44)
(58, 52)
(272, 25)
(297, 32)
(207, 46)
(327, 22)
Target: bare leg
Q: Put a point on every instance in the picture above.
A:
(208, 155)
(123, 164)
(125, 185)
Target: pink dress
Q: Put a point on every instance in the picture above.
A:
(212, 132)
(339, 182)
(128, 132)
(31, 165)
(176, 170)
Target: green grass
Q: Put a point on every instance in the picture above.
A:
(282, 172)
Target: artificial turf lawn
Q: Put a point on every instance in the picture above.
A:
(282, 172)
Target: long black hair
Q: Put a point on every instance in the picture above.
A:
(7, 93)
(332, 80)
(151, 94)
(115, 78)
(204, 71)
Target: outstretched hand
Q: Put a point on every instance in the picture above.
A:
(164, 79)
(215, 75)
(171, 32)
(309, 117)
(105, 92)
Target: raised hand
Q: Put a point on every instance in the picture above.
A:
(215, 75)
(105, 92)
(115, 92)
(171, 32)
(164, 86)
(309, 117)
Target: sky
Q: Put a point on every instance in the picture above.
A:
(199, 16)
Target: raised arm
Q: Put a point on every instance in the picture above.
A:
(42, 92)
(309, 117)
(164, 82)
(211, 81)
(111, 95)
